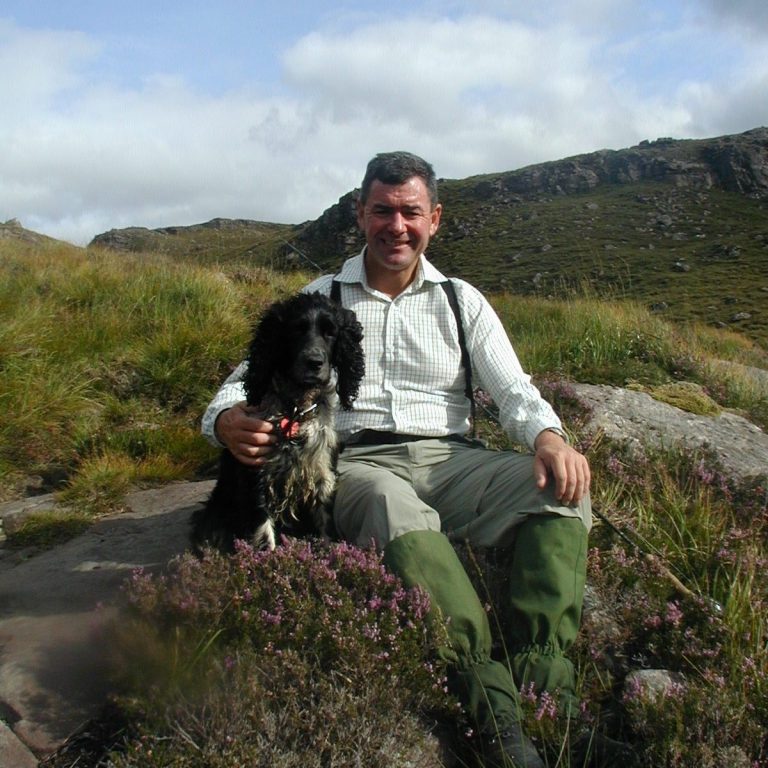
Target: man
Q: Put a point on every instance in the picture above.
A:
(408, 476)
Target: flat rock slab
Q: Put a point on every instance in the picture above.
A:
(54, 607)
(637, 419)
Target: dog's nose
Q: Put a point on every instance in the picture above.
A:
(314, 359)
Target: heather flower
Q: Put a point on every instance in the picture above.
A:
(674, 615)
(547, 707)
(336, 604)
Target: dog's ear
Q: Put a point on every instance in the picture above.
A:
(262, 354)
(348, 357)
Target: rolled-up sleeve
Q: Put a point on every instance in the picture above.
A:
(230, 393)
(523, 412)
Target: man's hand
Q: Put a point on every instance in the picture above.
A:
(568, 468)
(247, 436)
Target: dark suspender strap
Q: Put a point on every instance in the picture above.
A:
(336, 292)
(450, 293)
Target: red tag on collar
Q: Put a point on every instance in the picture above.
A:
(289, 427)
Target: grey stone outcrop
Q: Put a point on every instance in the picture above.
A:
(636, 419)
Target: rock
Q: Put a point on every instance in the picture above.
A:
(650, 684)
(13, 753)
(130, 239)
(55, 606)
(635, 418)
(12, 230)
(13, 514)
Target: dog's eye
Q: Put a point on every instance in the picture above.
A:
(327, 327)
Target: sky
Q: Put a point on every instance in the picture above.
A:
(153, 114)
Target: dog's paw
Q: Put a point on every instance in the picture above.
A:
(264, 536)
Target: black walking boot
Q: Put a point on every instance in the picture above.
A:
(509, 747)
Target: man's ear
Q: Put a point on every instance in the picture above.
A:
(360, 211)
(434, 222)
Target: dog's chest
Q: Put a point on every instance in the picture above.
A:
(302, 467)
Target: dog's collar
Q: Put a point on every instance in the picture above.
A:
(290, 426)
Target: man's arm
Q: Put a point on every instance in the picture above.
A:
(230, 423)
(525, 415)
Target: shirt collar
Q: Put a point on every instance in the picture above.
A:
(353, 271)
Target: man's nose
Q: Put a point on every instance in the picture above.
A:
(397, 222)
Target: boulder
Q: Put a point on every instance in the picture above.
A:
(636, 419)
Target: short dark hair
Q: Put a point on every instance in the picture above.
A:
(397, 168)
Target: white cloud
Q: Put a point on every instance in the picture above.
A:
(473, 93)
(37, 66)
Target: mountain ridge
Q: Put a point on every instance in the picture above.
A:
(680, 225)
(736, 163)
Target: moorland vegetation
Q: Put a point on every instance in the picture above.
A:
(108, 357)
(107, 362)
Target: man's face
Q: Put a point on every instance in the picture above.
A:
(398, 220)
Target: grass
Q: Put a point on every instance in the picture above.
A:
(106, 362)
(107, 358)
(714, 536)
(45, 530)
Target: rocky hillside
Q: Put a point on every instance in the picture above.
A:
(736, 164)
(681, 225)
(12, 230)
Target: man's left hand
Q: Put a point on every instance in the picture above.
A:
(569, 469)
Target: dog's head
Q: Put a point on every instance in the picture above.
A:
(299, 343)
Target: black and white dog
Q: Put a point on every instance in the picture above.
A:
(305, 351)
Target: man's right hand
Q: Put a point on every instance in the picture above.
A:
(248, 437)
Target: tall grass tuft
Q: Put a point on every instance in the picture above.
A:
(107, 360)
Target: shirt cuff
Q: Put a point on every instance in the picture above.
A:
(230, 394)
(556, 430)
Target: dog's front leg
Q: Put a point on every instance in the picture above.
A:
(323, 521)
(264, 536)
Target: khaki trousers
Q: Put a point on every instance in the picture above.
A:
(456, 486)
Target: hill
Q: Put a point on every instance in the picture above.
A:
(108, 359)
(12, 230)
(680, 225)
(216, 240)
